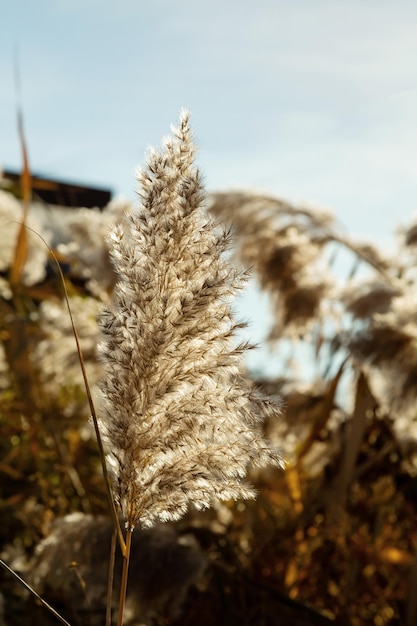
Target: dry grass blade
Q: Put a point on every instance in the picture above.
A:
(20, 257)
(90, 401)
(125, 574)
(21, 250)
(326, 409)
(364, 401)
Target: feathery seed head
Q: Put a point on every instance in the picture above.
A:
(180, 420)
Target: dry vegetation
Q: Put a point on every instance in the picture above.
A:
(332, 539)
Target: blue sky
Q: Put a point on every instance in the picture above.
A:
(309, 100)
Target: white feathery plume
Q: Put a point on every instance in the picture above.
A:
(181, 422)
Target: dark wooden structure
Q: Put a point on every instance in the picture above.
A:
(58, 192)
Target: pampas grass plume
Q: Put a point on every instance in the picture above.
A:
(180, 420)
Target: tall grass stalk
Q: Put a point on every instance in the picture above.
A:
(125, 573)
(180, 420)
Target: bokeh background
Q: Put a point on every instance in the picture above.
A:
(305, 117)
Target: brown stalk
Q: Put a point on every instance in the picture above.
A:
(21, 250)
(125, 571)
(110, 578)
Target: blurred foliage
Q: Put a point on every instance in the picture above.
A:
(333, 539)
